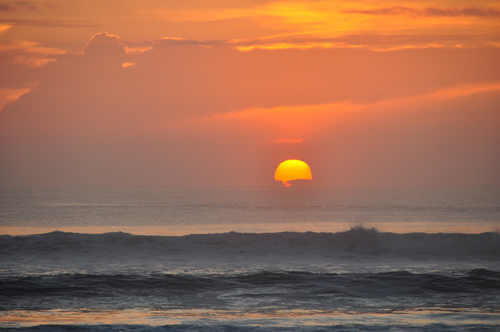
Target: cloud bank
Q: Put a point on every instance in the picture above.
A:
(187, 115)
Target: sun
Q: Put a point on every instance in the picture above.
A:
(292, 170)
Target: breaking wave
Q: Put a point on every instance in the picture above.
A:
(268, 276)
(478, 288)
(357, 240)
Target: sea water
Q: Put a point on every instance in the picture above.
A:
(250, 259)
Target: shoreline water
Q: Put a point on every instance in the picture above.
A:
(206, 320)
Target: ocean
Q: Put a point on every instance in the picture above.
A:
(250, 259)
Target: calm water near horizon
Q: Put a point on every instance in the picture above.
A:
(181, 211)
(250, 259)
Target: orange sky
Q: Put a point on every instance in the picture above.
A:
(218, 93)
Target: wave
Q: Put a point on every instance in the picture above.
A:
(478, 288)
(356, 241)
(259, 274)
(400, 282)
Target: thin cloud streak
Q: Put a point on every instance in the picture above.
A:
(46, 23)
(314, 117)
(30, 47)
(30, 53)
(430, 11)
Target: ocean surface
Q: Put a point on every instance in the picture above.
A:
(253, 259)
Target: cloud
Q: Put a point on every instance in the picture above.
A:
(32, 60)
(206, 116)
(45, 23)
(26, 46)
(184, 41)
(370, 41)
(429, 11)
(303, 120)
(30, 53)
(294, 45)
(128, 64)
(138, 46)
(104, 44)
(18, 6)
(11, 95)
(466, 90)
(445, 137)
(470, 11)
(394, 48)
(395, 10)
(309, 120)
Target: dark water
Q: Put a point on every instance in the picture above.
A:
(275, 276)
(284, 290)
(358, 279)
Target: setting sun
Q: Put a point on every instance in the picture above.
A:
(138, 141)
(292, 170)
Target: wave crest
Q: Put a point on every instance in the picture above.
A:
(356, 241)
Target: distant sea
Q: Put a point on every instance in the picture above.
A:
(250, 259)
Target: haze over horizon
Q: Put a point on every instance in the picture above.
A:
(219, 93)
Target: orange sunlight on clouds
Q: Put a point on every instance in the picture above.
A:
(194, 93)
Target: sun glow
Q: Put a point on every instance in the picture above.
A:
(290, 170)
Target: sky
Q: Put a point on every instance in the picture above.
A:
(121, 93)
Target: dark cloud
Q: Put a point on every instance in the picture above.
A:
(430, 11)
(18, 6)
(373, 39)
(470, 11)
